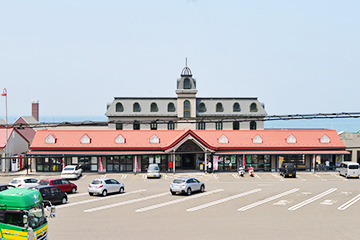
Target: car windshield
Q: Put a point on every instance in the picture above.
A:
(69, 169)
(179, 181)
(153, 167)
(290, 166)
(96, 182)
(37, 216)
(15, 181)
(44, 182)
(353, 166)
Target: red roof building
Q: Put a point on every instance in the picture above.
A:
(122, 150)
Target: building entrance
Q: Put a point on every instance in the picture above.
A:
(188, 161)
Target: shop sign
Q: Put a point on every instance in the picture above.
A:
(233, 159)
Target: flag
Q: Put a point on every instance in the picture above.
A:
(244, 161)
(136, 164)
(63, 164)
(101, 166)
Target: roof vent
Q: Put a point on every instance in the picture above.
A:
(119, 139)
(154, 139)
(257, 139)
(85, 139)
(223, 139)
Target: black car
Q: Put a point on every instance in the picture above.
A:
(5, 187)
(53, 194)
(288, 170)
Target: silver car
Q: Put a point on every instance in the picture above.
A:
(104, 186)
(186, 185)
(24, 182)
(153, 171)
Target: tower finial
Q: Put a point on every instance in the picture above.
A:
(186, 62)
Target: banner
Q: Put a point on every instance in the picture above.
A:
(215, 163)
(63, 164)
(136, 164)
(244, 161)
(101, 166)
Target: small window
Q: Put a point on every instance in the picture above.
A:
(154, 107)
(187, 109)
(236, 107)
(171, 125)
(253, 107)
(187, 84)
(136, 107)
(252, 125)
(219, 107)
(219, 126)
(171, 107)
(153, 125)
(201, 125)
(136, 125)
(236, 125)
(119, 107)
(202, 107)
(119, 126)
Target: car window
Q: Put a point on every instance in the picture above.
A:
(353, 166)
(56, 182)
(54, 190)
(189, 181)
(45, 191)
(108, 181)
(65, 181)
(113, 181)
(3, 188)
(33, 180)
(179, 181)
(153, 167)
(195, 180)
(96, 182)
(15, 181)
(27, 180)
(69, 168)
(42, 182)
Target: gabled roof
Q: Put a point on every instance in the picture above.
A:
(9, 132)
(139, 140)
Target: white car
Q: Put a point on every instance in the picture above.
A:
(71, 172)
(104, 186)
(24, 182)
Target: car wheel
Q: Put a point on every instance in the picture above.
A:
(173, 193)
(63, 200)
(90, 193)
(121, 190)
(73, 190)
(104, 193)
(188, 191)
(202, 188)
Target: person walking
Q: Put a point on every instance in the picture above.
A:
(209, 167)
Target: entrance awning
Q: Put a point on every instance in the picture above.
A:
(93, 153)
(300, 152)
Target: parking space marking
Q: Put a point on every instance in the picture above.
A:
(255, 204)
(276, 176)
(83, 176)
(349, 203)
(216, 176)
(98, 199)
(310, 200)
(236, 176)
(257, 176)
(222, 200)
(125, 202)
(103, 176)
(123, 176)
(177, 201)
(77, 195)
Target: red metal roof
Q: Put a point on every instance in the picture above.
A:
(104, 140)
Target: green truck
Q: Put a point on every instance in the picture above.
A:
(22, 214)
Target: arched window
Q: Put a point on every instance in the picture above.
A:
(253, 107)
(136, 107)
(236, 107)
(171, 107)
(202, 107)
(236, 125)
(252, 125)
(187, 84)
(119, 107)
(219, 107)
(153, 107)
(187, 109)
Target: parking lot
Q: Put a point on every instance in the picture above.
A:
(267, 206)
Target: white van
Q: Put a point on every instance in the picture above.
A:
(349, 169)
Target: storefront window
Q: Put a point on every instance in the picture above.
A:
(161, 160)
(297, 160)
(258, 162)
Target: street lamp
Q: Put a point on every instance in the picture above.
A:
(4, 94)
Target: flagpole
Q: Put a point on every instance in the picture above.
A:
(4, 94)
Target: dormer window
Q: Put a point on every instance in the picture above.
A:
(50, 139)
(119, 139)
(171, 107)
(219, 107)
(154, 139)
(187, 83)
(153, 107)
(325, 139)
(136, 107)
(223, 139)
(119, 107)
(291, 139)
(85, 139)
(257, 139)
(202, 107)
(253, 107)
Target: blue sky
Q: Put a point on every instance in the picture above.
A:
(76, 56)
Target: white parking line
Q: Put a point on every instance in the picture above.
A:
(255, 204)
(83, 176)
(222, 200)
(125, 202)
(177, 201)
(349, 203)
(276, 176)
(97, 199)
(216, 176)
(103, 176)
(76, 195)
(257, 176)
(236, 176)
(299, 205)
(123, 176)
